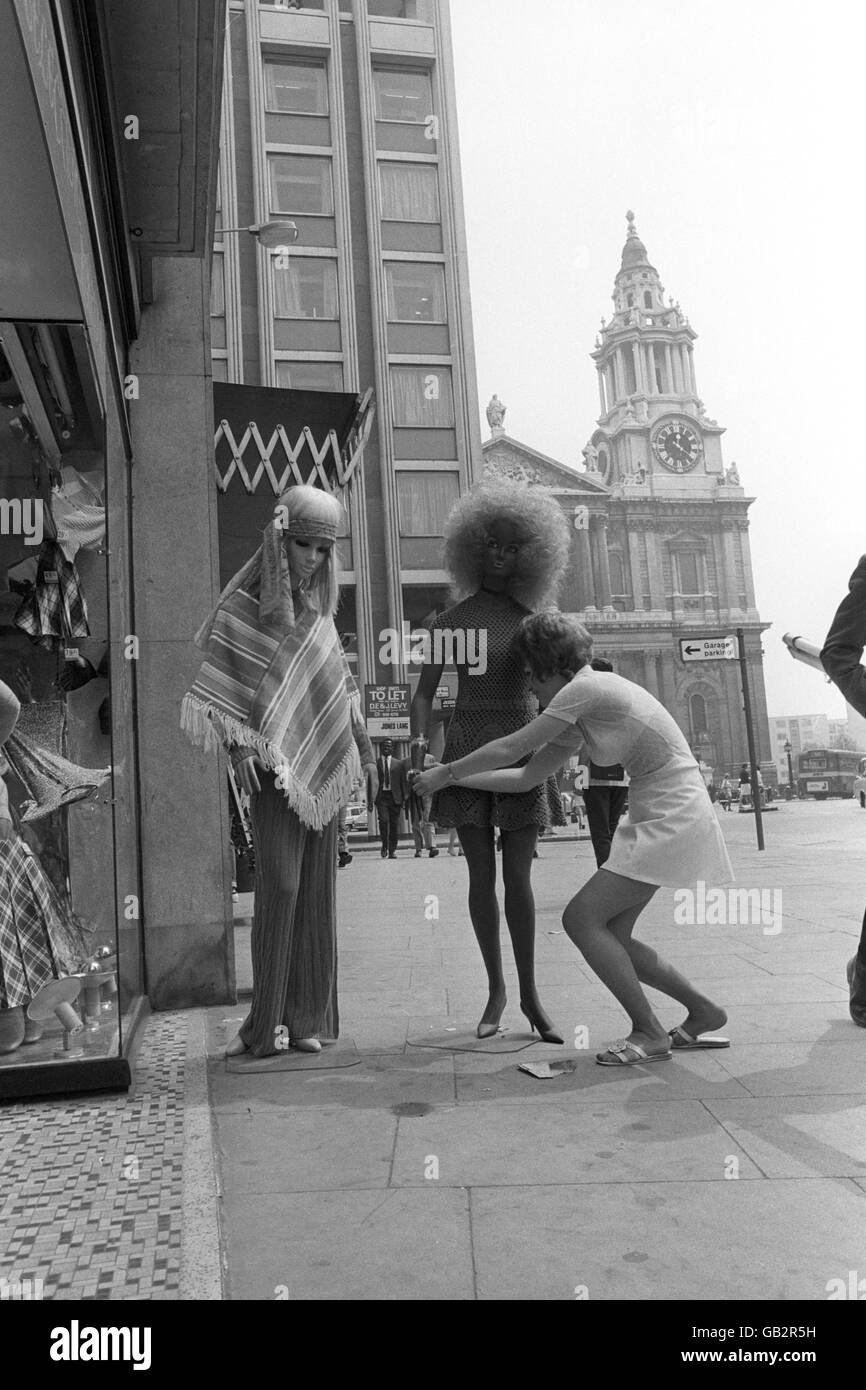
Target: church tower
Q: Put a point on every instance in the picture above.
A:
(676, 524)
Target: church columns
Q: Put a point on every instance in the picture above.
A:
(742, 527)
(634, 567)
(729, 565)
(650, 369)
(691, 361)
(637, 356)
(658, 599)
(586, 588)
(601, 390)
(600, 560)
(670, 369)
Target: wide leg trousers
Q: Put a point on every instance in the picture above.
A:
(294, 935)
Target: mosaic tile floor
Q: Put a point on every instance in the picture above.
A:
(91, 1190)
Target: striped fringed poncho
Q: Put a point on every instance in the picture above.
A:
(290, 696)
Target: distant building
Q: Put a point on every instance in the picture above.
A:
(802, 731)
(661, 544)
(341, 118)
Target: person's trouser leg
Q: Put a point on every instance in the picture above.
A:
(393, 827)
(597, 803)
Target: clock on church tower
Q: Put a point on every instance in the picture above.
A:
(652, 422)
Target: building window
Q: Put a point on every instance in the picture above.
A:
(422, 397)
(617, 573)
(698, 715)
(300, 88)
(217, 288)
(410, 192)
(402, 95)
(659, 367)
(301, 184)
(688, 564)
(392, 9)
(424, 501)
(219, 368)
(310, 376)
(416, 292)
(630, 301)
(647, 299)
(306, 289)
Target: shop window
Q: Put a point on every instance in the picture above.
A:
(300, 88)
(422, 397)
(306, 288)
(301, 184)
(410, 192)
(424, 501)
(392, 9)
(416, 292)
(70, 954)
(402, 95)
(310, 376)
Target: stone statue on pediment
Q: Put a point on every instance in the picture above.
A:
(496, 413)
(732, 475)
(590, 458)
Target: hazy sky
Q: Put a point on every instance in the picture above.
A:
(735, 132)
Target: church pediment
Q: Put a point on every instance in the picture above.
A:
(505, 457)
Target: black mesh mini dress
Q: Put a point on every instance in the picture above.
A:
(489, 705)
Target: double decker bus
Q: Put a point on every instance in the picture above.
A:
(824, 772)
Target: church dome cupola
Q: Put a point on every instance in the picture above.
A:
(634, 253)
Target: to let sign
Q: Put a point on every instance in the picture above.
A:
(387, 711)
(708, 648)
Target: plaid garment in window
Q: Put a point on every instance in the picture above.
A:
(30, 955)
(56, 609)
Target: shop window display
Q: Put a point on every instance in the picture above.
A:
(60, 996)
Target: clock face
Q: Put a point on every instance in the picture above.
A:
(677, 446)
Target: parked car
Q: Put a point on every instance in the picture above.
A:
(860, 783)
(357, 816)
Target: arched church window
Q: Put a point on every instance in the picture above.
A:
(602, 462)
(647, 299)
(688, 571)
(698, 715)
(630, 301)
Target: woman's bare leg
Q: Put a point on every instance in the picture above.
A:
(704, 1016)
(477, 844)
(517, 851)
(586, 920)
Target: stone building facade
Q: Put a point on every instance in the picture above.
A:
(661, 528)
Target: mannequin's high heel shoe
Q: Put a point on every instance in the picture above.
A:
(490, 1029)
(306, 1044)
(539, 1024)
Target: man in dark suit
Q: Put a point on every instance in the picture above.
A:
(393, 791)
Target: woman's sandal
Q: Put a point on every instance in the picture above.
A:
(617, 1055)
(681, 1041)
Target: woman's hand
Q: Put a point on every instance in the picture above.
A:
(246, 775)
(426, 783)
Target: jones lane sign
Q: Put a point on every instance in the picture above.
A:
(708, 648)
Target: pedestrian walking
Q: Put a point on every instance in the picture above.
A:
(726, 793)
(506, 546)
(276, 689)
(392, 794)
(671, 836)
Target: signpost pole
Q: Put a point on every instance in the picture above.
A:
(750, 735)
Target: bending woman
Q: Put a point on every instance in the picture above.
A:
(671, 836)
(506, 546)
(277, 691)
